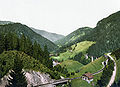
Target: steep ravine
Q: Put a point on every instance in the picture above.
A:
(33, 79)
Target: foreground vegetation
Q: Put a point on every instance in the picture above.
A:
(29, 63)
(17, 78)
(32, 55)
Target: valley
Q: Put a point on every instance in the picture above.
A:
(87, 57)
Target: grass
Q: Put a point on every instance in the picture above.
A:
(71, 65)
(82, 83)
(76, 37)
(92, 68)
(81, 47)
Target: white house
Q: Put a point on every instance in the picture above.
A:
(87, 77)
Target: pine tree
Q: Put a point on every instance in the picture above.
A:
(35, 50)
(2, 43)
(28, 46)
(46, 53)
(17, 78)
(47, 61)
(22, 43)
(15, 42)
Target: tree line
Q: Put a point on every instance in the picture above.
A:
(11, 41)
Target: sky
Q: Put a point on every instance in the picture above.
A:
(57, 16)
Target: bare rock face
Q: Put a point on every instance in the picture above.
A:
(33, 79)
(37, 78)
(4, 81)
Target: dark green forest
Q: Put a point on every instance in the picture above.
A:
(31, 54)
(21, 29)
(10, 41)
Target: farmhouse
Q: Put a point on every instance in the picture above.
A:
(87, 77)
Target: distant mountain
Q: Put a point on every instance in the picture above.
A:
(50, 36)
(23, 29)
(5, 22)
(74, 37)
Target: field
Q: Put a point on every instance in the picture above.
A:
(81, 47)
(80, 83)
(71, 65)
(92, 68)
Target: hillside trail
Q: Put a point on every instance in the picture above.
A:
(114, 72)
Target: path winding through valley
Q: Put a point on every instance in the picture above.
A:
(114, 72)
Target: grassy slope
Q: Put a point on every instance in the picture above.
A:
(80, 83)
(74, 36)
(92, 68)
(71, 65)
(81, 47)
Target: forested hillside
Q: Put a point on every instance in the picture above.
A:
(74, 37)
(21, 29)
(31, 55)
(11, 41)
(50, 36)
(107, 35)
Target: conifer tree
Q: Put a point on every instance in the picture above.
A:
(22, 43)
(2, 43)
(35, 50)
(17, 78)
(46, 53)
(47, 60)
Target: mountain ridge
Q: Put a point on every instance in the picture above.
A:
(73, 37)
(20, 29)
(50, 36)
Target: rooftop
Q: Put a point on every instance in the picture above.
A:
(89, 75)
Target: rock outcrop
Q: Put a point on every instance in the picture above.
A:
(33, 79)
(37, 78)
